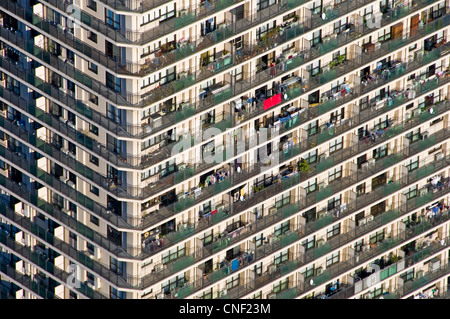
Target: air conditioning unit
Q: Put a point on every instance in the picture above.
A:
(322, 157)
(438, 156)
(369, 218)
(90, 285)
(322, 186)
(424, 135)
(408, 115)
(64, 150)
(319, 271)
(371, 162)
(63, 179)
(365, 166)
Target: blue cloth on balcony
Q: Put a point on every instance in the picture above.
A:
(235, 264)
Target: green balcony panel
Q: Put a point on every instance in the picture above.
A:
(326, 135)
(327, 192)
(389, 216)
(388, 243)
(328, 47)
(290, 181)
(326, 106)
(417, 283)
(185, 20)
(327, 220)
(422, 227)
(224, 64)
(325, 164)
(422, 200)
(184, 174)
(183, 234)
(289, 210)
(289, 239)
(421, 255)
(218, 217)
(287, 294)
(393, 270)
(220, 187)
(327, 76)
(430, 57)
(294, 32)
(186, 112)
(291, 123)
(222, 4)
(290, 266)
(184, 292)
(426, 116)
(394, 130)
(431, 27)
(322, 250)
(223, 33)
(294, 92)
(223, 95)
(293, 63)
(184, 51)
(400, 13)
(392, 104)
(391, 188)
(392, 159)
(221, 244)
(183, 263)
(384, 274)
(223, 125)
(427, 143)
(429, 85)
(322, 278)
(425, 171)
(184, 204)
(221, 273)
(294, 3)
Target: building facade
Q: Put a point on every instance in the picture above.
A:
(266, 149)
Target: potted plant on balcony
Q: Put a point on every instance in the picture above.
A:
(303, 166)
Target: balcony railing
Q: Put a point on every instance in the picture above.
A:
(27, 254)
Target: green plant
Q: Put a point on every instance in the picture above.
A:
(303, 166)
(201, 185)
(295, 18)
(341, 58)
(332, 64)
(394, 258)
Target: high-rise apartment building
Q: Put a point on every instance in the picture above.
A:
(224, 149)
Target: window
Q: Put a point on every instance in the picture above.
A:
(334, 230)
(115, 266)
(411, 192)
(91, 4)
(384, 35)
(90, 278)
(93, 129)
(93, 159)
(92, 36)
(93, 98)
(333, 259)
(173, 254)
(361, 189)
(112, 19)
(309, 243)
(94, 220)
(380, 152)
(359, 245)
(113, 113)
(281, 229)
(335, 173)
(258, 240)
(281, 285)
(311, 157)
(311, 128)
(336, 144)
(233, 282)
(94, 190)
(161, 14)
(93, 67)
(377, 237)
(412, 164)
(311, 186)
(170, 285)
(281, 257)
(112, 82)
(407, 276)
(262, 4)
(334, 202)
(309, 272)
(414, 135)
